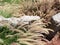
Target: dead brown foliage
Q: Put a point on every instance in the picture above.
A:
(43, 8)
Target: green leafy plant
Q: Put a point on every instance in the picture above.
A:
(5, 14)
(11, 1)
(9, 36)
(4, 32)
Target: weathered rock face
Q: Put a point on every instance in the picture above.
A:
(56, 18)
(23, 19)
(55, 25)
(27, 19)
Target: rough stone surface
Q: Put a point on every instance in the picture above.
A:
(23, 19)
(56, 18)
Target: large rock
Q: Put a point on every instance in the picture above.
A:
(23, 19)
(27, 19)
(55, 25)
(56, 18)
